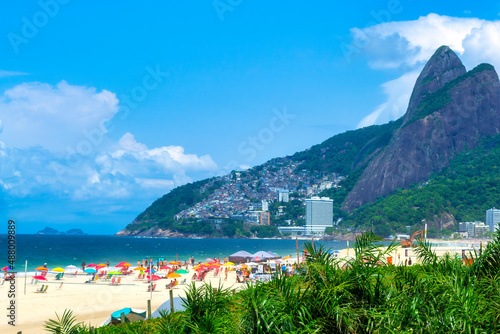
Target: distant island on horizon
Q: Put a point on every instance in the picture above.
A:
(52, 231)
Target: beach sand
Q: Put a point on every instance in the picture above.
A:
(93, 303)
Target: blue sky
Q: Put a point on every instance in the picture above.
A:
(106, 106)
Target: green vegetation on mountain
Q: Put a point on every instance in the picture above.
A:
(346, 151)
(465, 189)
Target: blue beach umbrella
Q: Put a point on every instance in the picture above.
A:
(90, 271)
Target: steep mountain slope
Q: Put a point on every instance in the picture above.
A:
(462, 191)
(449, 113)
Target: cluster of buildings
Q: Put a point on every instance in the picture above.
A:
(246, 195)
(480, 229)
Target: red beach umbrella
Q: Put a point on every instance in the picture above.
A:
(41, 278)
(7, 268)
(154, 277)
(91, 265)
(165, 267)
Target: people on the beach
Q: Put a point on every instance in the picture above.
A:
(107, 263)
(83, 265)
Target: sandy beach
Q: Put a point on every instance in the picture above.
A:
(93, 303)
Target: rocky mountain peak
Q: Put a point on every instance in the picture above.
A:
(443, 67)
(450, 111)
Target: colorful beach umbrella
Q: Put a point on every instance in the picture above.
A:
(40, 278)
(154, 277)
(152, 270)
(90, 270)
(229, 264)
(91, 265)
(126, 264)
(114, 272)
(140, 268)
(165, 267)
(39, 269)
(7, 268)
(175, 263)
(172, 275)
(102, 265)
(58, 269)
(182, 271)
(286, 258)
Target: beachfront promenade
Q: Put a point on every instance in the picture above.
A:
(93, 303)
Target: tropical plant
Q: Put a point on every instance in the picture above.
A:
(66, 324)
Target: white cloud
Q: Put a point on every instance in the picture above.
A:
(4, 74)
(398, 93)
(53, 116)
(131, 172)
(407, 45)
(41, 121)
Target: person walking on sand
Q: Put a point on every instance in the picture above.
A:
(225, 279)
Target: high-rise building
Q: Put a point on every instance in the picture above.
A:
(493, 219)
(462, 227)
(471, 232)
(265, 205)
(319, 214)
(265, 218)
(283, 195)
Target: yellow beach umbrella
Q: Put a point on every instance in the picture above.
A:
(229, 264)
(140, 268)
(58, 269)
(286, 258)
(197, 267)
(126, 264)
(172, 275)
(41, 269)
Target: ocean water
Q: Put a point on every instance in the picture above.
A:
(64, 250)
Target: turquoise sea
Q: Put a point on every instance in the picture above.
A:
(61, 251)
